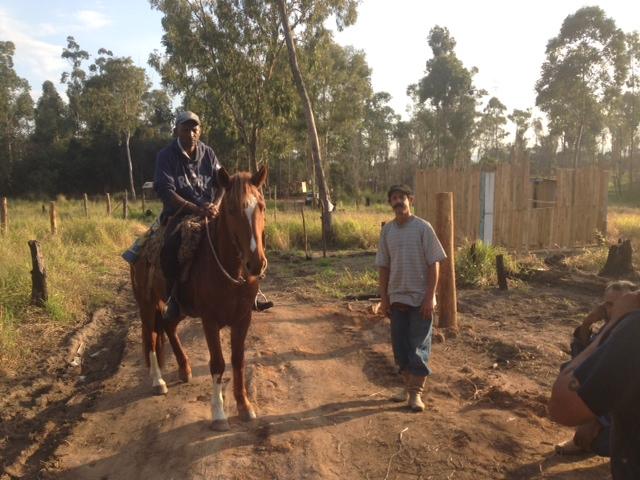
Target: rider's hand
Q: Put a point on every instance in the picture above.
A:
(210, 210)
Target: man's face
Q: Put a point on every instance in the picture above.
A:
(400, 202)
(188, 133)
(610, 298)
(625, 303)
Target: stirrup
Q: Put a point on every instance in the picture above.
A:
(171, 313)
(261, 306)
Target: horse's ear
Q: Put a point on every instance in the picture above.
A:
(223, 178)
(258, 178)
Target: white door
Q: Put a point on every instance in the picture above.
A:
(487, 195)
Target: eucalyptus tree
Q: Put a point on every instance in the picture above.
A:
(16, 112)
(50, 116)
(222, 56)
(112, 101)
(585, 67)
(310, 16)
(522, 121)
(491, 129)
(74, 79)
(448, 87)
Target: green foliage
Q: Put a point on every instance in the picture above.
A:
(448, 87)
(476, 264)
(340, 283)
(16, 107)
(352, 230)
(585, 67)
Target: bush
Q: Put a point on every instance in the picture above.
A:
(476, 265)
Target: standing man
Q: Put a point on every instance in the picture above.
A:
(407, 259)
(186, 182)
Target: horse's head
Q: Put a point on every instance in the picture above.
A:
(243, 213)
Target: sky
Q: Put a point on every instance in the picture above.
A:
(504, 39)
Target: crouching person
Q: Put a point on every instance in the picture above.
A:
(407, 259)
(603, 379)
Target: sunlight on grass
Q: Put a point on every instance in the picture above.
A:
(83, 267)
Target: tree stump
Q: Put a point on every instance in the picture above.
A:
(39, 290)
(619, 261)
(502, 274)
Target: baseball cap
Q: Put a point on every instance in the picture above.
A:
(400, 189)
(187, 117)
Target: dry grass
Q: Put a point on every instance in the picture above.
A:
(623, 222)
(83, 267)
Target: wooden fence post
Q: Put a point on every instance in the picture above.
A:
(144, 205)
(108, 204)
(53, 218)
(275, 204)
(85, 201)
(304, 230)
(39, 289)
(4, 216)
(125, 205)
(448, 317)
(502, 276)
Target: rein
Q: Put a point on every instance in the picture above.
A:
(235, 281)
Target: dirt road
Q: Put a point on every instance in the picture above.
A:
(320, 375)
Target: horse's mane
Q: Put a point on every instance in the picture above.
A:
(240, 186)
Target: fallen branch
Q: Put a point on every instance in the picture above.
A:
(397, 452)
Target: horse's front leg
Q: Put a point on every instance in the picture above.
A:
(216, 367)
(184, 366)
(238, 336)
(154, 355)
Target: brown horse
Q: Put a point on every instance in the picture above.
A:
(221, 289)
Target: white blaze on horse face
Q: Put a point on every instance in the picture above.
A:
(251, 206)
(155, 373)
(217, 402)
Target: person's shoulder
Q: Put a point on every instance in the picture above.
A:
(168, 152)
(422, 224)
(629, 325)
(388, 226)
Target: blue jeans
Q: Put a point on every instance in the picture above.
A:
(411, 340)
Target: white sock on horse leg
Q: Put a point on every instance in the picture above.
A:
(217, 402)
(154, 371)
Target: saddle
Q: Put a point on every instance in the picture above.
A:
(191, 231)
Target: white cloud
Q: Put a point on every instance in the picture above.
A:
(92, 19)
(34, 59)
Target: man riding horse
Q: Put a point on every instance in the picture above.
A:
(186, 181)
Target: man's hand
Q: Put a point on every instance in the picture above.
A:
(210, 210)
(428, 306)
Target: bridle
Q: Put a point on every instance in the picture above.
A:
(235, 281)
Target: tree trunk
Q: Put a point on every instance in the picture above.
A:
(576, 153)
(619, 261)
(311, 123)
(130, 164)
(631, 152)
(39, 290)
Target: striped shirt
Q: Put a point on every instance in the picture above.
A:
(407, 250)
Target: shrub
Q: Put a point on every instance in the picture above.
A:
(476, 264)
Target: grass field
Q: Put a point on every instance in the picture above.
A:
(83, 269)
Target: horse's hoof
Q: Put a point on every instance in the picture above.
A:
(247, 415)
(160, 389)
(220, 425)
(185, 377)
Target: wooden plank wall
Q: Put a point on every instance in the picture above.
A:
(580, 205)
(465, 185)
